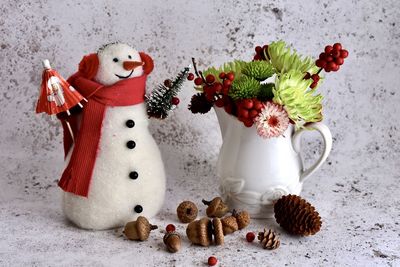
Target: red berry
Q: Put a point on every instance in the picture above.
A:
(175, 101)
(256, 57)
(248, 123)
(170, 228)
(258, 106)
(227, 82)
(190, 76)
(253, 113)
(336, 68)
(222, 75)
(335, 53)
(328, 49)
(322, 56)
(332, 65)
(307, 76)
(198, 81)
(218, 87)
(344, 53)
(247, 103)
(337, 46)
(212, 261)
(329, 59)
(339, 61)
(250, 236)
(320, 63)
(265, 47)
(315, 77)
(209, 89)
(230, 76)
(220, 102)
(258, 49)
(243, 113)
(210, 78)
(313, 85)
(225, 90)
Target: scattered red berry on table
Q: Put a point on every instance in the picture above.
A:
(190, 76)
(175, 101)
(170, 228)
(250, 236)
(212, 261)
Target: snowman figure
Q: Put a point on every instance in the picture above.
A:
(114, 170)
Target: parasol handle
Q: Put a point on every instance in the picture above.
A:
(46, 64)
(70, 130)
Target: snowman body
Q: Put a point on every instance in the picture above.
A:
(128, 178)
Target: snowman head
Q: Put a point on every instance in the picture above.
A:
(115, 62)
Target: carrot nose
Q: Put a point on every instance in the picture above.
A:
(130, 65)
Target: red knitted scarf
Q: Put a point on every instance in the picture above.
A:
(77, 175)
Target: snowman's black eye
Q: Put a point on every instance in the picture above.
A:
(115, 59)
(129, 56)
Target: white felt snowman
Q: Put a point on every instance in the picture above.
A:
(114, 170)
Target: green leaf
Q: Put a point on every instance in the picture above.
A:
(260, 70)
(285, 60)
(300, 102)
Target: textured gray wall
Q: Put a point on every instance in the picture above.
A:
(361, 100)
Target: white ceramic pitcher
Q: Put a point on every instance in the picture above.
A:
(254, 171)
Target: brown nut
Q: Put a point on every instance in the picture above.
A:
(187, 211)
(242, 218)
(216, 207)
(200, 232)
(229, 225)
(218, 231)
(139, 229)
(173, 242)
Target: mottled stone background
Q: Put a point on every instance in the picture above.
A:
(356, 191)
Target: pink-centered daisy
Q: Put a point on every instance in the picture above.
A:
(272, 121)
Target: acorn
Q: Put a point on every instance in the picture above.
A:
(242, 218)
(173, 241)
(187, 211)
(199, 232)
(229, 225)
(216, 207)
(218, 231)
(139, 229)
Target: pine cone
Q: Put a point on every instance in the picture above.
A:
(269, 239)
(297, 216)
(199, 104)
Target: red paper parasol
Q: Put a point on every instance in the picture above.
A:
(56, 94)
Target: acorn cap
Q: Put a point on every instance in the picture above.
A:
(187, 211)
(139, 229)
(229, 225)
(173, 241)
(216, 207)
(200, 232)
(218, 231)
(243, 218)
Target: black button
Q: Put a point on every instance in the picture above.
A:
(138, 209)
(130, 123)
(133, 175)
(131, 144)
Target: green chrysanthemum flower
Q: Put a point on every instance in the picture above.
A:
(284, 60)
(234, 66)
(265, 93)
(260, 70)
(244, 87)
(293, 92)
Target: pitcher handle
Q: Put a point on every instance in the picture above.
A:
(327, 137)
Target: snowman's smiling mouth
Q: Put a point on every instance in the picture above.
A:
(124, 77)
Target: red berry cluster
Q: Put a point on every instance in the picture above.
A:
(314, 77)
(261, 52)
(216, 91)
(248, 109)
(332, 58)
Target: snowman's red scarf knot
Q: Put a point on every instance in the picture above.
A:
(77, 175)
